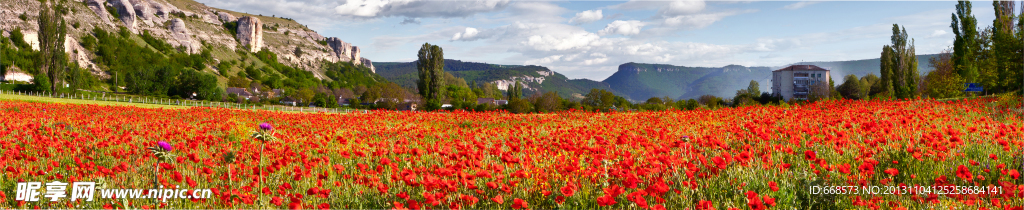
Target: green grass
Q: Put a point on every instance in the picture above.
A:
(9, 97)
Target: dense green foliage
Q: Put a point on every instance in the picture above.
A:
(515, 91)
(15, 52)
(431, 83)
(52, 60)
(346, 75)
(295, 78)
(1006, 50)
(899, 66)
(965, 45)
(121, 55)
(156, 43)
(943, 82)
(145, 71)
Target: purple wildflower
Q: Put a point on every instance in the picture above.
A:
(266, 126)
(166, 146)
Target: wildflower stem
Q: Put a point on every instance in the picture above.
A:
(259, 189)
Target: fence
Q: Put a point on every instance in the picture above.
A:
(177, 102)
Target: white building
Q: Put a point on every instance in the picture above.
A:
(796, 81)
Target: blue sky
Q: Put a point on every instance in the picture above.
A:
(589, 39)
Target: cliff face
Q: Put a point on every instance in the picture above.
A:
(101, 12)
(342, 51)
(180, 36)
(190, 26)
(126, 12)
(250, 33)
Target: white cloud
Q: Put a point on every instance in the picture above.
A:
(586, 17)
(801, 4)
(387, 42)
(665, 8)
(315, 13)
(548, 42)
(468, 35)
(697, 21)
(937, 33)
(628, 28)
(417, 8)
(361, 8)
(545, 60)
(676, 8)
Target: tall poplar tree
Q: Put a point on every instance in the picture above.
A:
(52, 58)
(431, 72)
(884, 86)
(965, 30)
(899, 66)
(1006, 48)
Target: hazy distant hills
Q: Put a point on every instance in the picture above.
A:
(642, 81)
(534, 78)
(864, 67)
(636, 81)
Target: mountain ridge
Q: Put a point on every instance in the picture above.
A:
(640, 81)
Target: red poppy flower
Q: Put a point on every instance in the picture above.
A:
(498, 199)
(519, 204)
(769, 200)
(568, 190)
(892, 171)
(964, 173)
(605, 200)
(705, 205)
(754, 202)
(810, 155)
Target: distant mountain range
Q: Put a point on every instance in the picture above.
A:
(636, 81)
(534, 78)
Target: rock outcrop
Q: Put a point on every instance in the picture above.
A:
(355, 56)
(144, 11)
(99, 9)
(369, 64)
(250, 33)
(226, 17)
(190, 35)
(126, 12)
(344, 52)
(341, 51)
(182, 37)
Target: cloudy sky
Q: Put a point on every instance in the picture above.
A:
(589, 39)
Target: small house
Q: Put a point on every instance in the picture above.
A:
(241, 92)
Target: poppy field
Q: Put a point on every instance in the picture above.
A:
(762, 157)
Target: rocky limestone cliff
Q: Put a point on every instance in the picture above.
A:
(355, 56)
(250, 33)
(226, 17)
(144, 11)
(368, 64)
(97, 6)
(187, 25)
(182, 37)
(525, 81)
(340, 50)
(126, 12)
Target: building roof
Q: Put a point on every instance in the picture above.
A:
(237, 91)
(802, 68)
